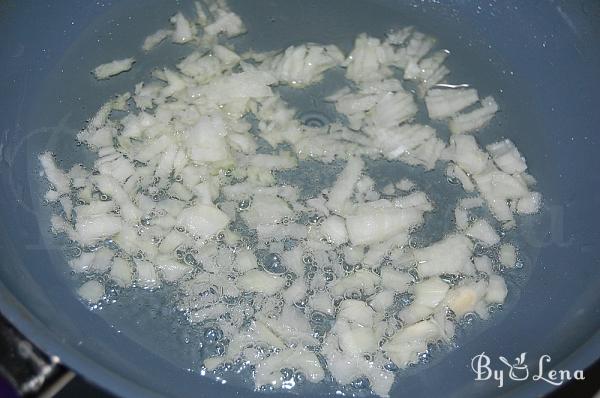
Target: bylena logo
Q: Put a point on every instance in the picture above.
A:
(518, 370)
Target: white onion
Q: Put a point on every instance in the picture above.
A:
(430, 292)
(507, 255)
(304, 65)
(59, 179)
(529, 204)
(356, 312)
(183, 31)
(476, 119)
(344, 185)
(448, 256)
(467, 298)
(113, 68)
(121, 272)
(155, 39)
(376, 225)
(258, 281)
(483, 232)
(91, 291)
(202, 221)
(443, 103)
(507, 157)
(497, 290)
(395, 280)
(410, 340)
(146, 274)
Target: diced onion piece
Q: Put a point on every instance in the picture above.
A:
(93, 229)
(415, 313)
(121, 272)
(483, 232)
(448, 256)
(461, 217)
(170, 269)
(296, 292)
(82, 263)
(476, 119)
(454, 171)
(245, 261)
(321, 302)
(367, 60)
(393, 109)
(202, 221)
(58, 178)
(354, 254)
(334, 229)
(483, 264)
(226, 22)
(405, 184)
(376, 225)
(147, 277)
(465, 152)
(113, 68)
(443, 103)
(303, 65)
(471, 203)
(496, 291)
(356, 312)
(184, 31)
(266, 209)
(358, 340)
(344, 185)
(395, 280)
(466, 298)
(268, 372)
(430, 292)
(404, 346)
(507, 157)
(530, 203)
(261, 282)
(155, 39)
(102, 260)
(507, 255)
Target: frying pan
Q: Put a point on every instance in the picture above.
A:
(540, 58)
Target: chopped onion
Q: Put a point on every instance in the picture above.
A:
(184, 31)
(507, 255)
(443, 103)
(91, 291)
(155, 39)
(497, 290)
(483, 232)
(344, 185)
(258, 281)
(121, 272)
(184, 190)
(334, 229)
(448, 256)
(202, 221)
(476, 119)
